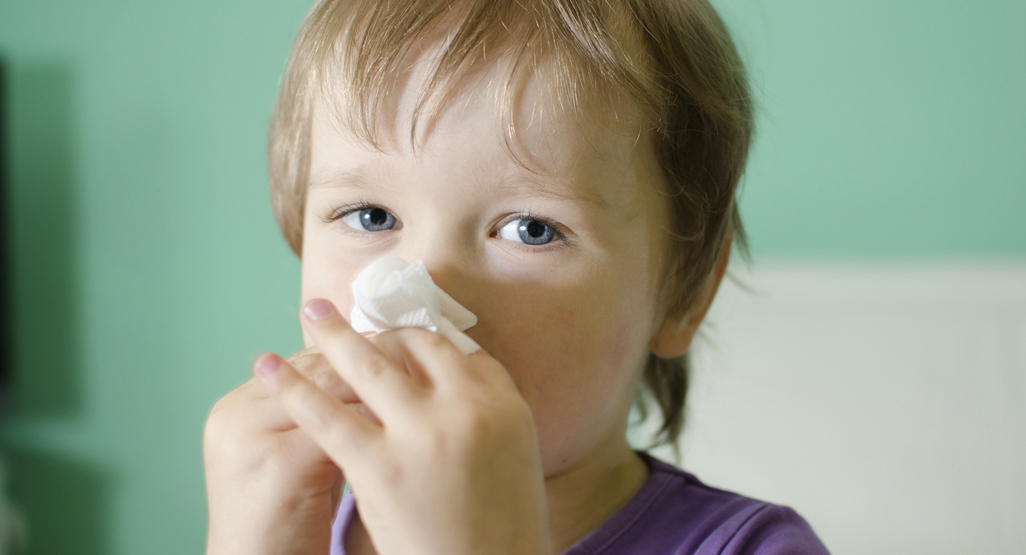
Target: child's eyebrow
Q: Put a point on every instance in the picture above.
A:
(527, 187)
(355, 179)
(519, 187)
(343, 179)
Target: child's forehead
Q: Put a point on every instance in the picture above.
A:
(553, 154)
(491, 105)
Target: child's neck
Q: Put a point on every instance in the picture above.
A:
(580, 499)
(583, 497)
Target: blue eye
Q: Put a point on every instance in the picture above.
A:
(529, 231)
(369, 219)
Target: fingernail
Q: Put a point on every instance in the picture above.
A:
(317, 309)
(267, 365)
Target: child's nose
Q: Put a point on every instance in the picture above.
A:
(445, 273)
(450, 268)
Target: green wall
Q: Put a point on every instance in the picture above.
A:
(888, 129)
(148, 271)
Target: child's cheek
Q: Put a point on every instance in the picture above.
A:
(326, 281)
(560, 345)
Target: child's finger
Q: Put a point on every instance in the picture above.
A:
(337, 428)
(386, 390)
(316, 368)
(264, 410)
(393, 346)
(429, 356)
(254, 408)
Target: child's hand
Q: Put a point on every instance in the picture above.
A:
(270, 488)
(453, 466)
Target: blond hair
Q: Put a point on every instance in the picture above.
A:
(674, 60)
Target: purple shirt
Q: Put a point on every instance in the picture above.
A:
(674, 513)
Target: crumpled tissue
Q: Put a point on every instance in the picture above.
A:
(391, 293)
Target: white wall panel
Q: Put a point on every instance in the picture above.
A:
(884, 402)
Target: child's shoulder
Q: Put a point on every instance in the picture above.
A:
(675, 512)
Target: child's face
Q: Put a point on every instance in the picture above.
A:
(564, 297)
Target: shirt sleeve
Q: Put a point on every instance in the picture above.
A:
(775, 530)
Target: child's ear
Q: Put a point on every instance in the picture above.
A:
(674, 335)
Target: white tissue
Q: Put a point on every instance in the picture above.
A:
(389, 293)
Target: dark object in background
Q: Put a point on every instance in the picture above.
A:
(6, 341)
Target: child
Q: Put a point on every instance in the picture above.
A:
(566, 170)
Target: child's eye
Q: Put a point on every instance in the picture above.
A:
(369, 218)
(529, 230)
